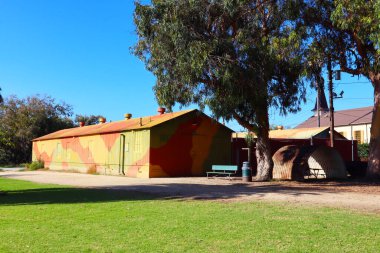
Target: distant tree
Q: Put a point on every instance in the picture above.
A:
(22, 120)
(87, 119)
(237, 57)
(1, 98)
(348, 32)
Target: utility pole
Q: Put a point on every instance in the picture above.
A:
(318, 107)
(330, 74)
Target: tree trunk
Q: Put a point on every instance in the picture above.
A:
(263, 150)
(373, 171)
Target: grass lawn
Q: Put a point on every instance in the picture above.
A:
(51, 218)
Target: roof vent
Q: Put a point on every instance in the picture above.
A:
(102, 120)
(128, 116)
(280, 127)
(161, 110)
(81, 123)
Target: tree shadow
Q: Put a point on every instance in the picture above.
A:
(69, 196)
(350, 182)
(183, 191)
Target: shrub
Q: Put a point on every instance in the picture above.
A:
(363, 150)
(92, 170)
(36, 165)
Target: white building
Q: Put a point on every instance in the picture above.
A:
(354, 124)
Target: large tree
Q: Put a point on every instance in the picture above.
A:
(239, 58)
(87, 119)
(349, 31)
(25, 119)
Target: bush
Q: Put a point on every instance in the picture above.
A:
(36, 165)
(92, 170)
(363, 151)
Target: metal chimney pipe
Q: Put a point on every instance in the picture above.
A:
(161, 110)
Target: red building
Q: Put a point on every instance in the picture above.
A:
(300, 137)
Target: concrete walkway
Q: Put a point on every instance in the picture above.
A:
(11, 169)
(215, 189)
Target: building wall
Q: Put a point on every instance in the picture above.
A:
(86, 154)
(184, 146)
(188, 146)
(136, 153)
(346, 148)
(113, 154)
(361, 133)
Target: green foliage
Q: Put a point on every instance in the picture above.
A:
(22, 120)
(87, 119)
(236, 57)
(36, 165)
(361, 19)
(348, 33)
(239, 58)
(347, 30)
(63, 219)
(363, 150)
(250, 139)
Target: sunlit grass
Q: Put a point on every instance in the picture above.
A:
(51, 218)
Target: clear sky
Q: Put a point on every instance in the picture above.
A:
(78, 51)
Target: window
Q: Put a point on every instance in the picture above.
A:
(358, 135)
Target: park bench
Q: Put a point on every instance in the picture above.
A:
(223, 170)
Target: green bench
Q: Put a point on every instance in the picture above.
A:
(223, 170)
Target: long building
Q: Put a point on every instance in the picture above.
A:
(184, 143)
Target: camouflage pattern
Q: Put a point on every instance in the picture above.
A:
(184, 143)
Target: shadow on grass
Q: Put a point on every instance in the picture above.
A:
(69, 195)
(185, 191)
(144, 192)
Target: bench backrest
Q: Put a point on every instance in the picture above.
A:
(224, 167)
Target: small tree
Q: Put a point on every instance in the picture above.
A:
(22, 120)
(237, 57)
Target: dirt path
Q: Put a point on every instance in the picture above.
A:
(354, 195)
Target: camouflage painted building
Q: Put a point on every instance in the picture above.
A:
(184, 143)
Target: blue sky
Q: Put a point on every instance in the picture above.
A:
(78, 51)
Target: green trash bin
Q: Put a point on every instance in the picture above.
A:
(246, 172)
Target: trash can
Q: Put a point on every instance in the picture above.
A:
(246, 172)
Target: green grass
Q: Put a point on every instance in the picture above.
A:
(51, 218)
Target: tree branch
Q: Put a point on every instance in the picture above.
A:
(244, 123)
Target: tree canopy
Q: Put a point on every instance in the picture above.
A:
(22, 120)
(87, 119)
(348, 31)
(236, 57)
